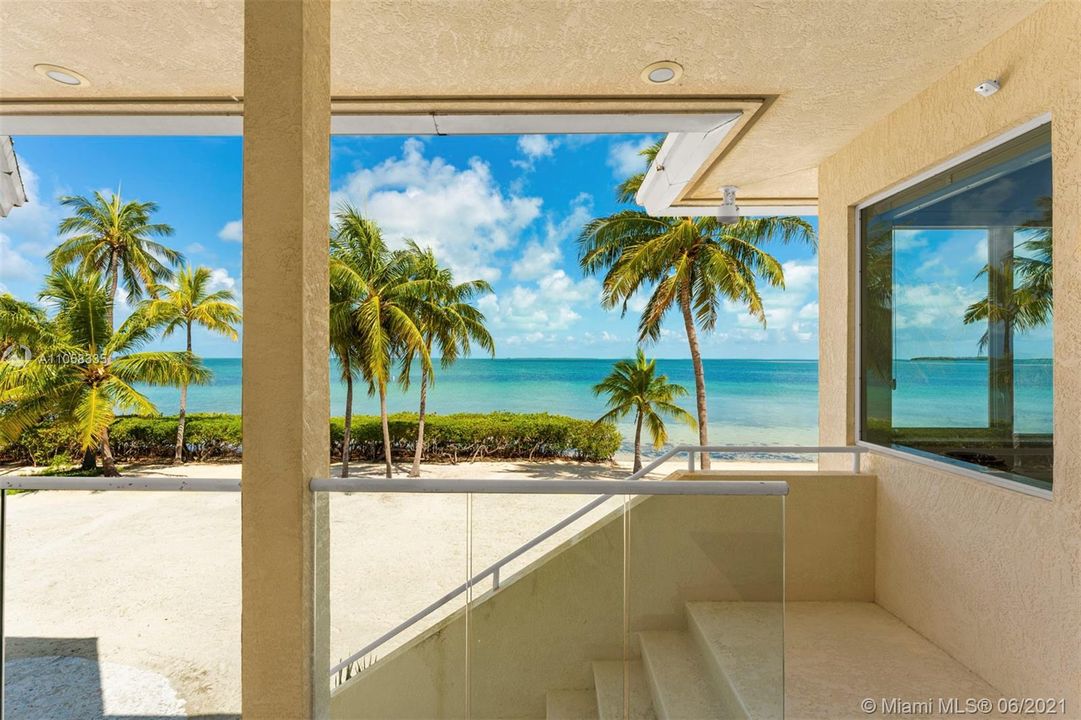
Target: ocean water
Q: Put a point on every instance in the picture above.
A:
(751, 402)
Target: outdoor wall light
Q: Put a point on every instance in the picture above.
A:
(728, 213)
(662, 73)
(62, 75)
(987, 88)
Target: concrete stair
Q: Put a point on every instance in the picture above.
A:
(571, 705)
(726, 664)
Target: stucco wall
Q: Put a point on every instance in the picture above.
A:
(990, 575)
(543, 629)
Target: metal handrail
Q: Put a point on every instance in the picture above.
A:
(157, 484)
(610, 487)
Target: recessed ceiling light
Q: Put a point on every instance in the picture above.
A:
(62, 75)
(662, 73)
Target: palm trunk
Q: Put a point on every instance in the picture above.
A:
(386, 427)
(699, 373)
(90, 459)
(415, 470)
(347, 430)
(108, 465)
(114, 281)
(638, 443)
(182, 417)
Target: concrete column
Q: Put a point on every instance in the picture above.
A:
(286, 385)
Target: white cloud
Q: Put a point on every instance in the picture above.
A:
(221, 280)
(546, 306)
(194, 248)
(12, 264)
(28, 233)
(931, 305)
(624, 157)
(540, 257)
(461, 213)
(537, 146)
(232, 231)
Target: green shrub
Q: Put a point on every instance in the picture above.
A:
(446, 437)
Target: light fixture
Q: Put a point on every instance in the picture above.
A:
(62, 75)
(662, 72)
(987, 88)
(728, 213)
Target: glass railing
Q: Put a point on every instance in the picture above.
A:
(121, 604)
(656, 598)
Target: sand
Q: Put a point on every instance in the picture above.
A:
(147, 585)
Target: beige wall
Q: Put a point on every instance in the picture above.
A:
(991, 575)
(542, 629)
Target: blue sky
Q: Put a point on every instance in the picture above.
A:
(504, 208)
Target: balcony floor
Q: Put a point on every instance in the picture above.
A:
(839, 653)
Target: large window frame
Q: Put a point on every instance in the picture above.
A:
(914, 455)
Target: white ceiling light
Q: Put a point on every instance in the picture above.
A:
(662, 73)
(62, 75)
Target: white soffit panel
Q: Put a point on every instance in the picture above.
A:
(681, 156)
(12, 192)
(370, 124)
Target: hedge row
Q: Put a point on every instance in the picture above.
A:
(446, 437)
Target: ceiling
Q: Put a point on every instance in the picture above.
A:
(822, 69)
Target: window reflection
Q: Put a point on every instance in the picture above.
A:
(956, 314)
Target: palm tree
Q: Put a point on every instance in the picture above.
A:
(22, 324)
(692, 263)
(635, 387)
(344, 344)
(385, 298)
(1030, 304)
(188, 303)
(449, 322)
(115, 239)
(88, 370)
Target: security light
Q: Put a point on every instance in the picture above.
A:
(728, 213)
(987, 88)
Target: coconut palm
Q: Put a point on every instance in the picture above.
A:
(635, 387)
(344, 345)
(116, 240)
(385, 298)
(88, 371)
(22, 324)
(1031, 273)
(188, 303)
(690, 263)
(449, 323)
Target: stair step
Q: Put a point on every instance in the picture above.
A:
(571, 705)
(678, 679)
(742, 644)
(608, 677)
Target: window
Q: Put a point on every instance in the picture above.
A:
(955, 314)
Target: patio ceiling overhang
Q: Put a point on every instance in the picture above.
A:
(804, 77)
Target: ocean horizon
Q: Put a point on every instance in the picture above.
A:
(750, 402)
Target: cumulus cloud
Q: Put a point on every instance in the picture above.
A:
(534, 147)
(461, 213)
(220, 279)
(624, 156)
(232, 231)
(541, 256)
(28, 233)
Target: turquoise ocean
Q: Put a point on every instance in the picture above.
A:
(751, 402)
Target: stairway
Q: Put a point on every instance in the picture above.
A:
(727, 663)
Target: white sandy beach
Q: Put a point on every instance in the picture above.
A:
(148, 584)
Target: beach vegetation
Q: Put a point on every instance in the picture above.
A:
(634, 388)
(187, 303)
(691, 265)
(84, 369)
(449, 323)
